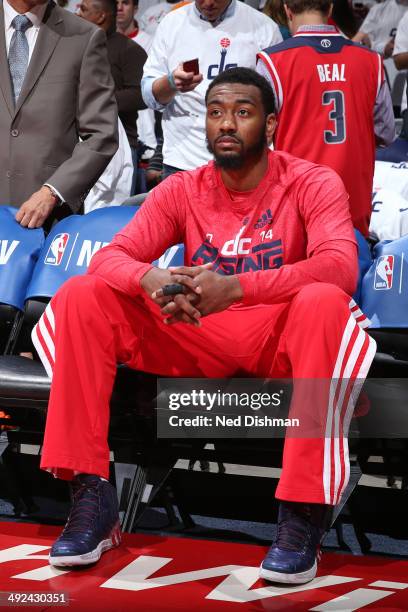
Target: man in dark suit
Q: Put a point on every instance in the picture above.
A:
(126, 59)
(58, 115)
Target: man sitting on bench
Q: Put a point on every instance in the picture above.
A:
(271, 262)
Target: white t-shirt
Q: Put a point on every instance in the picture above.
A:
(114, 184)
(183, 36)
(401, 38)
(144, 5)
(151, 17)
(381, 23)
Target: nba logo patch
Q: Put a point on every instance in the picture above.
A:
(56, 250)
(384, 272)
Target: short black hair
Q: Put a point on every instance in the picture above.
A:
(246, 76)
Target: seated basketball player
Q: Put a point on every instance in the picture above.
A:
(270, 301)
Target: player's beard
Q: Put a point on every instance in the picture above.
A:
(235, 161)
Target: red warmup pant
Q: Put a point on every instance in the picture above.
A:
(88, 328)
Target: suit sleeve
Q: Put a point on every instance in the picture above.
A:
(331, 244)
(96, 118)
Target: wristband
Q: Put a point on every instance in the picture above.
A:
(171, 81)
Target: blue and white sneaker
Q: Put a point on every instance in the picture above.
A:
(92, 526)
(293, 558)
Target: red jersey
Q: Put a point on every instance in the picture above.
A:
(326, 88)
(292, 230)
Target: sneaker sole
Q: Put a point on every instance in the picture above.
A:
(91, 557)
(299, 578)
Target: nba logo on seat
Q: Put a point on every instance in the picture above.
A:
(384, 272)
(57, 249)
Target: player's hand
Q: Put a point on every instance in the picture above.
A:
(186, 81)
(182, 306)
(153, 281)
(216, 292)
(34, 211)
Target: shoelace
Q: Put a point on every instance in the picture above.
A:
(84, 509)
(293, 531)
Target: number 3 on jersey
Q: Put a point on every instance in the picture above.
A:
(337, 115)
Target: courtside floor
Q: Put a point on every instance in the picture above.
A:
(156, 573)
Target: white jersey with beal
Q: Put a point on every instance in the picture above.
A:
(389, 217)
(381, 23)
(182, 36)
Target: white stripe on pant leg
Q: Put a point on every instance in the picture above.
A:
(347, 373)
(46, 337)
(361, 376)
(350, 326)
(37, 343)
(50, 316)
(357, 312)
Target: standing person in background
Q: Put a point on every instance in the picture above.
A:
(220, 34)
(400, 57)
(379, 27)
(400, 54)
(126, 59)
(39, 42)
(333, 101)
(127, 24)
(274, 9)
(152, 16)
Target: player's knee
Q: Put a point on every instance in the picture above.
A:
(80, 290)
(319, 296)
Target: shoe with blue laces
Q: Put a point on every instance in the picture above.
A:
(92, 526)
(293, 558)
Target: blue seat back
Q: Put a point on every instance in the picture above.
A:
(72, 243)
(384, 291)
(19, 250)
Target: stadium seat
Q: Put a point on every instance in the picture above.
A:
(19, 250)
(384, 297)
(67, 252)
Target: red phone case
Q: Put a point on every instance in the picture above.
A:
(191, 66)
